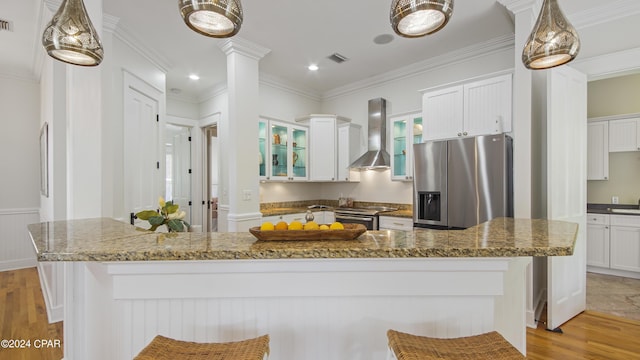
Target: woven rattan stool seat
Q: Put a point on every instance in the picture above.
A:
(485, 346)
(163, 348)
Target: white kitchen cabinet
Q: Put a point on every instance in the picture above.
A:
(598, 240)
(624, 135)
(406, 130)
(349, 150)
(473, 108)
(395, 223)
(323, 145)
(283, 151)
(625, 242)
(598, 150)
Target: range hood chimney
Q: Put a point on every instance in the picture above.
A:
(377, 156)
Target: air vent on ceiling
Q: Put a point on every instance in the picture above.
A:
(5, 25)
(339, 58)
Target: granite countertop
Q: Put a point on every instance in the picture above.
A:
(606, 209)
(105, 239)
(297, 207)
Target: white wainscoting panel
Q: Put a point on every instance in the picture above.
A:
(16, 250)
(338, 309)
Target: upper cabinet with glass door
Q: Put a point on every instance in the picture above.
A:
(262, 147)
(406, 130)
(285, 151)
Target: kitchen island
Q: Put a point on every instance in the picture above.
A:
(316, 299)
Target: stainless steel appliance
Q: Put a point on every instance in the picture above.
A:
(459, 183)
(376, 156)
(367, 216)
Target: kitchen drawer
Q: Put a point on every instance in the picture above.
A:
(624, 220)
(395, 223)
(598, 219)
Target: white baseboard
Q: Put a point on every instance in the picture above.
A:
(614, 272)
(55, 313)
(7, 265)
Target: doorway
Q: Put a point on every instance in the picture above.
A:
(212, 177)
(178, 167)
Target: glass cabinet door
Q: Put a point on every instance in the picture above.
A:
(406, 131)
(299, 153)
(262, 148)
(399, 148)
(279, 152)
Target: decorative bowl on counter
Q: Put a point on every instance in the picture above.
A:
(350, 232)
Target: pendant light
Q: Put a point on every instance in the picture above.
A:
(415, 18)
(214, 18)
(553, 41)
(70, 37)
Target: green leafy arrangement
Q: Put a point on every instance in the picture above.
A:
(169, 215)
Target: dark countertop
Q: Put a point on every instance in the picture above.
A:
(105, 239)
(606, 209)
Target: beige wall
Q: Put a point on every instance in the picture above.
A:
(607, 97)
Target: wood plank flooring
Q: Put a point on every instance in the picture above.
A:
(590, 335)
(23, 316)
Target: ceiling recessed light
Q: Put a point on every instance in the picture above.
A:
(194, 77)
(313, 67)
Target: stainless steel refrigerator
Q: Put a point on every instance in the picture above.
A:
(460, 183)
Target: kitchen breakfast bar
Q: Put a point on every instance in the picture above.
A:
(316, 299)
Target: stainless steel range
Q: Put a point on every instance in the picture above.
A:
(367, 216)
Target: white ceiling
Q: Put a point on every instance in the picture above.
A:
(301, 32)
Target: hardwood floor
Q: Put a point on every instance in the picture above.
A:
(23, 317)
(590, 335)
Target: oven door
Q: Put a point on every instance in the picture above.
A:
(369, 221)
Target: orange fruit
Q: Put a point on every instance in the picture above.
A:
(311, 225)
(266, 226)
(295, 225)
(336, 226)
(281, 225)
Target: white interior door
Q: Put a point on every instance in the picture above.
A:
(566, 189)
(141, 139)
(178, 167)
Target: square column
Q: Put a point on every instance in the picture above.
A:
(239, 136)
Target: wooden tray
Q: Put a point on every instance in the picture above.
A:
(350, 232)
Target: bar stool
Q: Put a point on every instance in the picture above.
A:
(163, 348)
(491, 345)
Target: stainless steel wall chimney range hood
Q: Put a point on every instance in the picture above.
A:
(377, 156)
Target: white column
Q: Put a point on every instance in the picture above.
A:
(527, 152)
(239, 133)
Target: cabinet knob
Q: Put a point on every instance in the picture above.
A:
(459, 134)
(464, 133)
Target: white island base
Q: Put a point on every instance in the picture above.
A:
(313, 309)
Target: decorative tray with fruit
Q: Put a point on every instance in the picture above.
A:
(308, 231)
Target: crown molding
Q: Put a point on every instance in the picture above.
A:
(280, 84)
(126, 36)
(609, 65)
(610, 11)
(213, 92)
(244, 47)
(454, 57)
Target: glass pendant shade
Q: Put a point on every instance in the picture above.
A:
(553, 41)
(415, 18)
(70, 37)
(214, 18)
